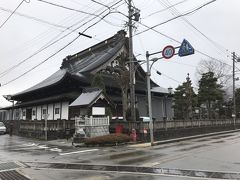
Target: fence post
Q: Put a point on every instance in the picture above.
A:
(91, 121)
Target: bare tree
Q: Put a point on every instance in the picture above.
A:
(221, 71)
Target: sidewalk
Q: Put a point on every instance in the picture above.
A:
(143, 145)
(60, 142)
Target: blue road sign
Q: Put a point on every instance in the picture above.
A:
(185, 49)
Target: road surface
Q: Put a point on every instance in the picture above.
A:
(215, 157)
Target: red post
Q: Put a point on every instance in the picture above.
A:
(134, 135)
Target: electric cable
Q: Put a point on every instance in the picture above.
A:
(2, 74)
(175, 12)
(151, 28)
(13, 12)
(162, 10)
(26, 72)
(33, 18)
(169, 20)
(55, 52)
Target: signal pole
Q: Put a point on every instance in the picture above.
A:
(131, 70)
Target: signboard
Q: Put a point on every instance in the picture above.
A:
(168, 52)
(185, 49)
(98, 110)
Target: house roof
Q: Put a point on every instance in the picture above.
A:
(85, 61)
(86, 98)
(53, 79)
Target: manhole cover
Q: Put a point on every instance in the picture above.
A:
(12, 174)
(9, 166)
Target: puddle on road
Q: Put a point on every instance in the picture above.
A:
(193, 147)
(202, 140)
(84, 161)
(126, 154)
(169, 146)
(219, 137)
(219, 142)
(139, 159)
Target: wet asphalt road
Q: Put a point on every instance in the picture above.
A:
(215, 157)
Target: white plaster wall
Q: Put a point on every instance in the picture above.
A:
(44, 107)
(34, 109)
(24, 110)
(57, 116)
(50, 111)
(39, 113)
(20, 113)
(65, 106)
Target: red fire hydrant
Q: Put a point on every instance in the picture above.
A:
(134, 135)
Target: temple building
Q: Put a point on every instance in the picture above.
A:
(105, 66)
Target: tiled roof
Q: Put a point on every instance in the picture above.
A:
(54, 78)
(85, 61)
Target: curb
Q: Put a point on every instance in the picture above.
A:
(142, 145)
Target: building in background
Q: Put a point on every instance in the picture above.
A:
(53, 96)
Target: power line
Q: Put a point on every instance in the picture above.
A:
(72, 9)
(169, 20)
(2, 74)
(41, 62)
(58, 50)
(162, 10)
(13, 13)
(169, 77)
(65, 7)
(175, 12)
(151, 28)
(33, 18)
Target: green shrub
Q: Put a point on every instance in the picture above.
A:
(109, 139)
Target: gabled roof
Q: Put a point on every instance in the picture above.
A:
(96, 56)
(87, 98)
(85, 61)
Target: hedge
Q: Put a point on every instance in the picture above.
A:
(109, 139)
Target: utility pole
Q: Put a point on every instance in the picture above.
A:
(234, 99)
(131, 71)
(149, 99)
(189, 97)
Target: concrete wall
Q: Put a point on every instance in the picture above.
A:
(50, 111)
(57, 106)
(65, 109)
(34, 109)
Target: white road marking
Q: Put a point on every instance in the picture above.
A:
(56, 150)
(76, 152)
(43, 147)
(30, 144)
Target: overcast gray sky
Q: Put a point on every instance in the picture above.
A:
(37, 23)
